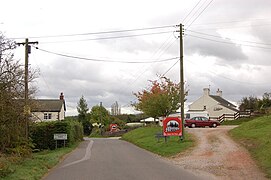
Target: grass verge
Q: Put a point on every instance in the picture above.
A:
(145, 138)
(255, 135)
(36, 167)
(237, 121)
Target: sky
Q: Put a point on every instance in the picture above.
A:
(108, 50)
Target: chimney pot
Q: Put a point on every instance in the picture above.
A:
(206, 91)
(219, 93)
(61, 97)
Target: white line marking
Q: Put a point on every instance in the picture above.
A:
(86, 157)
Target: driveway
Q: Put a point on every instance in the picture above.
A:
(218, 156)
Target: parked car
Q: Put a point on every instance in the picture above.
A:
(200, 121)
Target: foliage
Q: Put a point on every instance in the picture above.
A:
(256, 104)
(99, 114)
(255, 136)
(128, 118)
(42, 133)
(31, 168)
(249, 103)
(82, 108)
(161, 100)
(145, 138)
(12, 119)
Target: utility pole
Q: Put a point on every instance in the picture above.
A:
(182, 79)
(101, 104)
(26, 104)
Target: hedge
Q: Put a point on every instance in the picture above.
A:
(42, 134)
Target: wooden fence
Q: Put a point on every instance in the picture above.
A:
(237, 115)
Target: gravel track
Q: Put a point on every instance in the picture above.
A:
(217, 156)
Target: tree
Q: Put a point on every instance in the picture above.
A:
(161, 100)
(265, 102)
(12, 125)
(99, 114)
(82, 108)
(249, 103)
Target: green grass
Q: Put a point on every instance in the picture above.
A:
(36, 167)
(238, 121)
(145, 138)
(255, 135)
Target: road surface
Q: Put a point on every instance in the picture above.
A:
(113, 159)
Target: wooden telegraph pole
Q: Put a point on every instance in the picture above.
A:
(182, 79)
(26, 104)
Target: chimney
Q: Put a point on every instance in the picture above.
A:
(206, 91)
(219, 93)
(61, 97)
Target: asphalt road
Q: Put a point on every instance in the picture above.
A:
(113, 159)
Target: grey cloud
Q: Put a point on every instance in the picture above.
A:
(229, 52)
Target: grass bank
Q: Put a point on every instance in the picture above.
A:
(237, 121)
(36, 167)
(255, 135)
(145, 138)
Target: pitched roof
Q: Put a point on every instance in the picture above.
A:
(48, 105)
(223, 102)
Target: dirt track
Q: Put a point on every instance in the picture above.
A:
(217, 156)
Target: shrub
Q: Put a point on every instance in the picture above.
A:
(42, 134)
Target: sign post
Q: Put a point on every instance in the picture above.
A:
(172, 126)
(60, 136)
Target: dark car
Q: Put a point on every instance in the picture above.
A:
(200, 122)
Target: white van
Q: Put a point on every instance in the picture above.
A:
(191, 114)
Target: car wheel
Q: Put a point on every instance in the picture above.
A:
(193, 125)
(214, 125)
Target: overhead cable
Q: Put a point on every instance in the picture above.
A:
(96, 33)
(106, 60)
(107, 38)
(224, 42)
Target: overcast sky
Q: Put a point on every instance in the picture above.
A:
(227, 45)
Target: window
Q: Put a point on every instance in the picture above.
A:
(47, 115)
(204, 107)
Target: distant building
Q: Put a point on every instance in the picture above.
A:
(115, 109)
(48, 109)
(215, 105)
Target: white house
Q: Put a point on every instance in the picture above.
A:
(215, 105)
(48, 109)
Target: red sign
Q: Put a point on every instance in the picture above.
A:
(172, 126)
(113, 127)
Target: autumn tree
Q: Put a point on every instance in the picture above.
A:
(161, 100)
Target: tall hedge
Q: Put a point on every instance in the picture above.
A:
(42, 134)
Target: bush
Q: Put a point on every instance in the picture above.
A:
(42, 134)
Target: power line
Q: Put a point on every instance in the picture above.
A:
(170, 68)
(105, 60)
(108, 38)
(235, 27)
(230, 22)
(191, 10)
(224, 42)
(229, 38)
(96, 33)
(200, 13)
